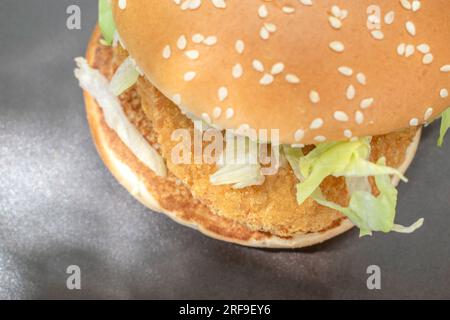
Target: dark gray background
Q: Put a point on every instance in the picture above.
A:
(59, 205)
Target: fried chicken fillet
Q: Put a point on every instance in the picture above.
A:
(271, 207)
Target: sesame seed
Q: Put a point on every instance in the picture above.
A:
(389, 17)
(266, 79)
(406, 4)
(361, 78)
(288, 9)
(264, 33)
(220, 4)
(262, 11)
(337, 46)
(366, 103)
(192, 54)
(401, 49)
(189, 76)
(335, 11)
(182, 42)
(299, 135)
(428, 58)
(306, 2)
(414, 122)
(335, 23)
(292, 78)
(346, 71)
(341, 116)
(210, 41)
(190, 5)
(351, 92)
(411, 28)
(217, 112)
(237, 71)
(410, 50)
(198, 38)
(240, 46)
(122, 4)
(258, 66)
(416, 5)
(423, 48)
(167, 52)
(444, 93)
(377, 34)
(316, 124)
(348, 133)
(314, 97)
(277, 68)
(359, 117)
(229, 113)
(222, 93)
(445, 68)
(343, 14)
(270, 27)
(320, 138)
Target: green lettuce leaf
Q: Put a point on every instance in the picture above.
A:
(445, 125)
(370, 213)
(106, 20)
(293, 156)
(124, 78)
(339, 159)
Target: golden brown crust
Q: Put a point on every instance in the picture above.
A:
(168, 195)
(403, 88)
(271, 207)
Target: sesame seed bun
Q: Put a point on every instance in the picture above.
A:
(312, 69)
(165, 195)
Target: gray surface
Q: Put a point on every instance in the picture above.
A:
(59, 205)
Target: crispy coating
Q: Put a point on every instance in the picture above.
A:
(271, 207)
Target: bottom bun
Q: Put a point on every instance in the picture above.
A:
(168, 196)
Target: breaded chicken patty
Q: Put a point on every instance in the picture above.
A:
(271, 207)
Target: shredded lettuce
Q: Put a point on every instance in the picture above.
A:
(349, 159)
(293, 156)
(239, 175)
(445, 125)
(106, 20)
(240, 169)
(370, 213)
(339, 159)
(124, 78)
(97, 85)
